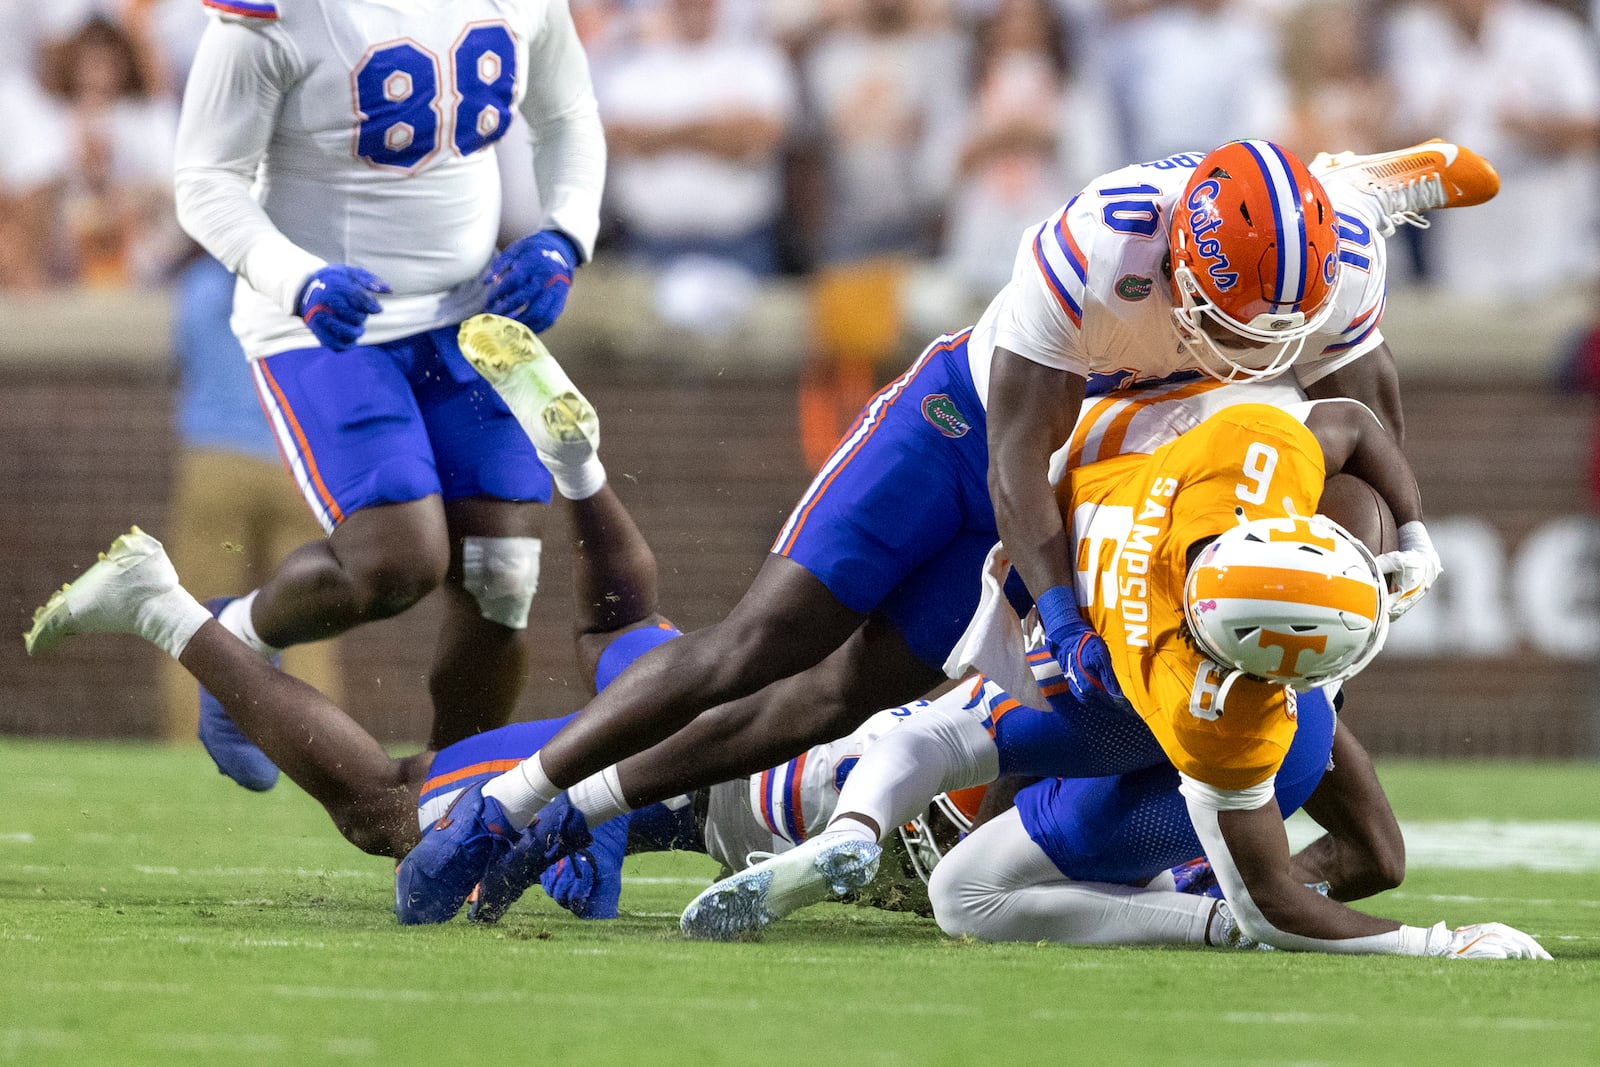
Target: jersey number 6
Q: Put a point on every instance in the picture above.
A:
(402, 108)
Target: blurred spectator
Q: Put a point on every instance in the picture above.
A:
(885, 91)
(33, 170)
(695, 122)
(1339, 99)
(1519, 81)
(234, 515)
(1190, 75)
(29, 29)
(1034, 133)
(117, 208)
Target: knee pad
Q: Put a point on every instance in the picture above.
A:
(502, 574)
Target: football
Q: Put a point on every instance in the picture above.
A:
(1356, 506)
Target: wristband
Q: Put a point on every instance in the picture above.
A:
(1058, 611)
(1413, 537)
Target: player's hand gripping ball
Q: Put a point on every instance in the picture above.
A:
(335, 303)
(530, 280)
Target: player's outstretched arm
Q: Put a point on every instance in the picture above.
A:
(1249, 851)
(531, 279)
(230, 106)
(1363, 851)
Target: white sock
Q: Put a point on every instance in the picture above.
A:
(169, 621)
(235, 618)
(576, 481)
(599, 797)
(522, 791)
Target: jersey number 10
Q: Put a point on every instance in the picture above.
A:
(403, 109)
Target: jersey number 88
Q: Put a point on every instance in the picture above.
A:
(399, 97)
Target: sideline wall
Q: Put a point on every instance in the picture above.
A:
(1500, 660)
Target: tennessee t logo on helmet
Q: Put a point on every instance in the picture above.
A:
(1255, 255)
(1294, 601)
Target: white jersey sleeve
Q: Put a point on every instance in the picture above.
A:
(1353, 328)
(230, 107)
(1039, 315)
(569, 143)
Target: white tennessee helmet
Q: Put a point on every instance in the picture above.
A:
(1295, 601)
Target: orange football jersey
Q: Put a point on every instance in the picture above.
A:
(1133, 520)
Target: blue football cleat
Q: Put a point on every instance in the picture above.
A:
(562, 829)
(234, 754)
(455, 854)
(559, 832)
(507, 878)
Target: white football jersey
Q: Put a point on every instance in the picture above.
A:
(361, 132)
(1088, 292)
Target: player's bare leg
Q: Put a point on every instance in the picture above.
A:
(133, 589)
(874, 669)
(480, 662)
(788, 622)
(614, 574)
(371, 797)
(376, 564)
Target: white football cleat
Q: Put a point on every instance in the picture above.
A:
(105, 598)
(556, 417)
(741, 905)
(1410, 181)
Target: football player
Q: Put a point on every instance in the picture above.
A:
(1225, 607)
(380, 803)
(344, 159)
(1236, 263)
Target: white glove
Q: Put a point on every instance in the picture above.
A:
(1483, 941)
(1411, 570)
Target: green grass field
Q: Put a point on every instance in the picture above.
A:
(151, 912)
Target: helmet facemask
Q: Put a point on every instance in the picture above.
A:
(1254, 242)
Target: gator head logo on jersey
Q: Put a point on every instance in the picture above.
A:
(943, 415)
(1254, 249)
(1133, 287)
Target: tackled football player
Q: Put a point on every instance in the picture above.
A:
(875, 575)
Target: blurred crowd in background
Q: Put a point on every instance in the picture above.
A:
(837, 138)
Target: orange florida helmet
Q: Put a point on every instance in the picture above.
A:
(1255, 254)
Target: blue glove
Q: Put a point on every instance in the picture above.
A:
(530, 280)
(1081, 652)
(588, 882)
(1196, 877)
(335, 303)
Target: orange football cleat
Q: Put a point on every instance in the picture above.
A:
(1410, 181)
